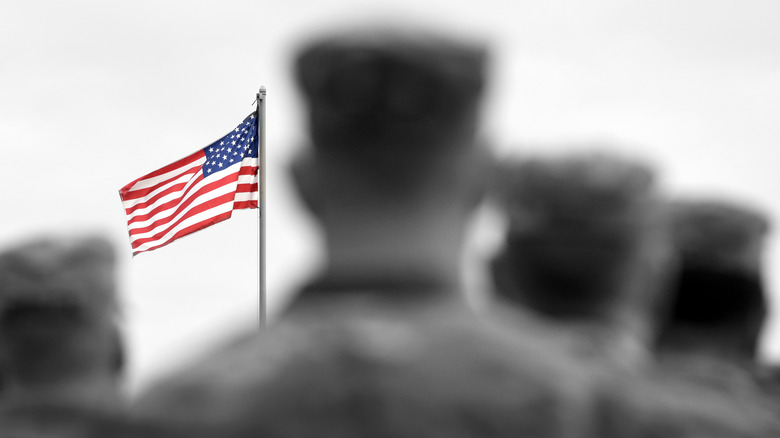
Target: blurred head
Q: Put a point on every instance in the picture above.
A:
(393, 170)
(387, 96)
(57, 313)
(585, 239)
(718, 303)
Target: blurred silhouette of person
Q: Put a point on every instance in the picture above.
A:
(586, 249)
(718, 305)
(719, 302)
(704, 383)
(382, 343)
(61, 354)
(394, 171)
(664, 405)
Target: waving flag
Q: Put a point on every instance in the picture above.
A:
(194, 192)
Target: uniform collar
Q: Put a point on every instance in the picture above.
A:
(388, 289)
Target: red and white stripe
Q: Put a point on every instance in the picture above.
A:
(177, 200)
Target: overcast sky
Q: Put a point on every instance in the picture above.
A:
(97, 93)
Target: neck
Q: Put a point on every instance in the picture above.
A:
(685, 346)
(99, 392)
(418, 247)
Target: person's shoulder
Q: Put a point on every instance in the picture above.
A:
(387, 363)
(664, 403)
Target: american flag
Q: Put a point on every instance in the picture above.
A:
(194, 192)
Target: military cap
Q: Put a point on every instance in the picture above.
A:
(720, 234)
(390, 91)
(611, 193)
(58, 319)
(64, 270)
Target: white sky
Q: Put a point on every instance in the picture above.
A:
(93, 94)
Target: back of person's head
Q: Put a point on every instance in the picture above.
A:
(718, 302)
(585, 236)
(394, 168)
(57, 313)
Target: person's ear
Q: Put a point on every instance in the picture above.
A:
(118, 355)
(305, 176)
(480, 168)
(502, 278)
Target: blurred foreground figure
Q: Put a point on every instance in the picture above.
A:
(719, 304)
(705, 383)
(586, 249)
(60, 348)
(394, 172)
(382, 344)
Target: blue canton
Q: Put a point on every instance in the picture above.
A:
(233, 148)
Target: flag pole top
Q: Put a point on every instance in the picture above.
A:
(260, 96)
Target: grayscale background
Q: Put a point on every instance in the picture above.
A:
(94, 94)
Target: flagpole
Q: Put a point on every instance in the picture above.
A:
(261, 204)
